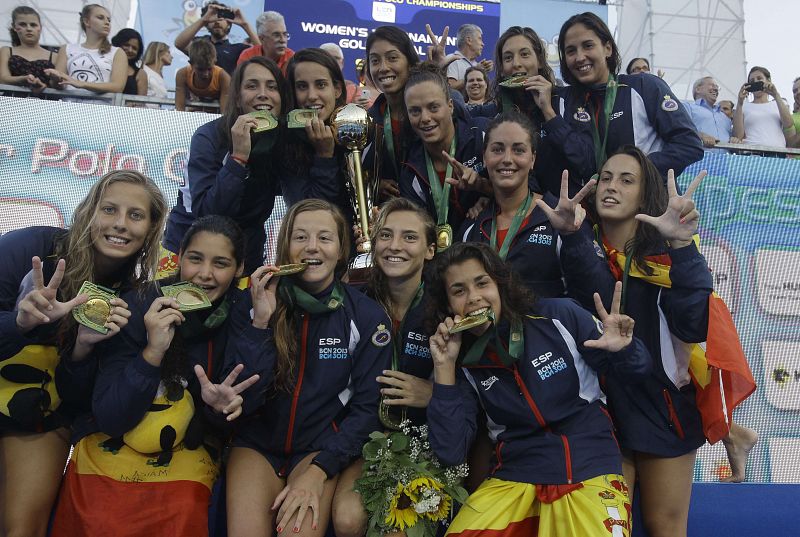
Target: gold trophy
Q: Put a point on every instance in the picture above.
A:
(351, 129)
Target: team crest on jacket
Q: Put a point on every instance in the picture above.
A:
(382, 336)
(582, 115)
(669, 104)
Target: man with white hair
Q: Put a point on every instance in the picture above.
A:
(711, 123)
(271, 29)
(469, 41)
(335, 52)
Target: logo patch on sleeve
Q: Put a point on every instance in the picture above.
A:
(382, 336)
(669, 104)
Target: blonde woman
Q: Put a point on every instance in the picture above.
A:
(47, 370)
(93, 65)
(156, 57)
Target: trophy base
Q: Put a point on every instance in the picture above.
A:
(359, 269)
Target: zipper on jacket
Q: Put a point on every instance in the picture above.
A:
(673, 416)
(529, 399)
(497, 448)
(568, 458)
(296, 395)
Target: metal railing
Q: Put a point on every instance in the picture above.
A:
(763, 150)
(114, 99)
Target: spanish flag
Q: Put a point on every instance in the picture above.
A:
(718, 367)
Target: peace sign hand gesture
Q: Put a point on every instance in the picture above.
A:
(617, 327)
(465, 177)
(568, 215)
(679, 222)
(436, 52)
(41, 305)
(225, 397)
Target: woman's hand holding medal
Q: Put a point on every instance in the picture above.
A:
(262, 291)
(160, 321)
(444, 351)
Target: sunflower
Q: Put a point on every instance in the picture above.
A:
(401, 512)
(418, 486)
(443, 510)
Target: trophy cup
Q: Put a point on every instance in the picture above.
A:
(351, 129)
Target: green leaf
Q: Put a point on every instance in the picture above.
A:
(460, 494)
(417, 530)
(399, 442)
(376, 435)
(370, 451)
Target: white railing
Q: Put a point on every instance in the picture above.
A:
(115, 99)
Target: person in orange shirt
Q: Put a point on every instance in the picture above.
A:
(271, 28)
(201, 79)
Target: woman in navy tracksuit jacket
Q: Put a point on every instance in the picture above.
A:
(157, 404)
(440, 127)
(535, 376)
(533, 251)
(645, 112)
(318, 400)
(658, 422)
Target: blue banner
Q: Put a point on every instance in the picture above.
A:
(348, 23)
(750, 235)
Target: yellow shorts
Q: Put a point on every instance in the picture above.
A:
(499, 508)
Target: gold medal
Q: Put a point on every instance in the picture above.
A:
(294, 268)
(190, 296)
(516, 81)
(94, 313)
(444, 237)
(266, 121)
(297, 118)
(470, 321)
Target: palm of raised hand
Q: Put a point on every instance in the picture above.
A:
(680, 220)
(41, 305)
(617, 328)
(568, 215)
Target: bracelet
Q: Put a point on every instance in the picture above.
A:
(242, 161)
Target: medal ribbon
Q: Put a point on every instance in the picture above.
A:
(516, 222)
(193, 327)
(440, 192)
(608, 107)
(296, 296)
(516, 345)
(388, 137)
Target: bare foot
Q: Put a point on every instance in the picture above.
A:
(738, 444)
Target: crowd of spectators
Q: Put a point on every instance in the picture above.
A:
(759, 117)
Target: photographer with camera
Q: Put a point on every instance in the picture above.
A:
(761, 121)
(218, 19)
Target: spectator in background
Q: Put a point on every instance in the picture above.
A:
(712, 124)
(476, 86)
(641, 65)
(201, 80)
(24, 62)
(469, 41)
(796, 110)
(219, 26)
(367, 92)
(727, 108)
(761, 121)
(274, 40)
(335, 52)
(130, 41)
(93, 65)
(156, 57)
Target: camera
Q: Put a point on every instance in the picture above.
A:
(226, 13)
(754, 86)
